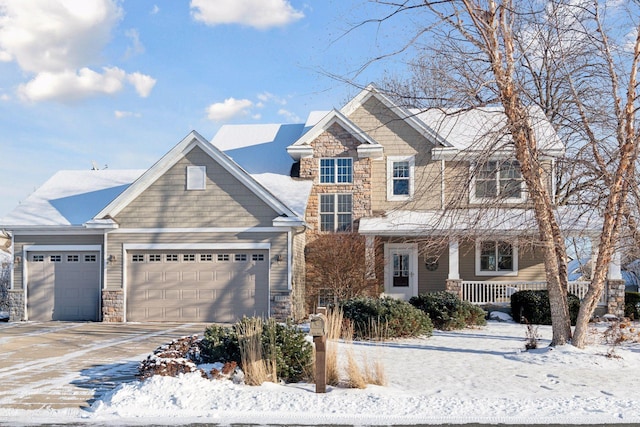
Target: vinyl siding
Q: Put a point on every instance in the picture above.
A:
(530, 266)
(225, 202)
(399, 139)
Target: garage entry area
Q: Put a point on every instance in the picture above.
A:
(196, 286)
(63, 285)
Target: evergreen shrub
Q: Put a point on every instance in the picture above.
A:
(632, 305)
(533, 307)
(294, 354)
(447, 311)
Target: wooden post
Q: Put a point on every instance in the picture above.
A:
(321, 363)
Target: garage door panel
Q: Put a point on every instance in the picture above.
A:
(63, 285)
(210, 286)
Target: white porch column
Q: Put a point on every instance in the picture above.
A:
(615, 269)
(370, 256)
(454, 260)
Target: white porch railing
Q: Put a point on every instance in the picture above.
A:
(500, 292)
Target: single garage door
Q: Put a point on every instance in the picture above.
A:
(196, 286)
(63, 286)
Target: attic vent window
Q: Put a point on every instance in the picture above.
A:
(196, 177)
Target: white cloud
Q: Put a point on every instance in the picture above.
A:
(155, 9)
(136, 47)
(269, 97)
(289, 116)
(58, 42)
(70, 85)
(124, 114)
(230, 108)
(142, 83)
(53, 36)
(259, 14)
(4, 97)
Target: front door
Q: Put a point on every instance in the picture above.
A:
(401, 278)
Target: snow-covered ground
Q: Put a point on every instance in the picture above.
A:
(475, 375)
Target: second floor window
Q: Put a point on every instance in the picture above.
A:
(336, 171)
(498, 180)
(335, 212)
(400, 178)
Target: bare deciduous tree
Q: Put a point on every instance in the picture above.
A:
(558, 55)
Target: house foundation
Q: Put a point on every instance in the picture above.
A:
(454, 286)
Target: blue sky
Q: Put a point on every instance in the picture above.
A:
(119, 83)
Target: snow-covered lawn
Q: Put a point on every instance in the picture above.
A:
(475, 375)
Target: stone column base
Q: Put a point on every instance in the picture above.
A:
(113, 306)
(281, 307)
(454, 286)
(16, 305)
(615, 298)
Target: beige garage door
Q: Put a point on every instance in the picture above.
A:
(63, 286)
(197, 286)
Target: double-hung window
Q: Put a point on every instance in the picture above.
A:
(400, 171)
(335, 212)
(496, 258)
(336, 170)
(498, 180)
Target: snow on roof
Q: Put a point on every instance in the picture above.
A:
(70, 197)
(259, 148)
(482, 128)
(496, 220)
(294, 193)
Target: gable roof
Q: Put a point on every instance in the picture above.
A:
(301, 147)
(192, 140)
(406, 115)
(70, 198)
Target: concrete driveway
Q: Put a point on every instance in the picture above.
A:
(69, 365)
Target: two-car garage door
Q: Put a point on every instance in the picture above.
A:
(196, 286)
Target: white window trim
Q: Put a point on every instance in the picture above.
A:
(335, 171)
(335, 212)
(514, 245)
(498, 198)
(196, 177)
(390, 161)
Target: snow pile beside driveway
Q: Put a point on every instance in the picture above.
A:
(476, 375)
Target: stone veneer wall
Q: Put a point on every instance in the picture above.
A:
(113, 305)
(16, 305)
(281, 306)
(615, 297)
(336, 142)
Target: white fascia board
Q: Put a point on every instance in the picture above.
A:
(334, 116)
(53, 231)
(298, 152)
(374, 151)
(287, 222)
(106, 224)
(233, 230)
